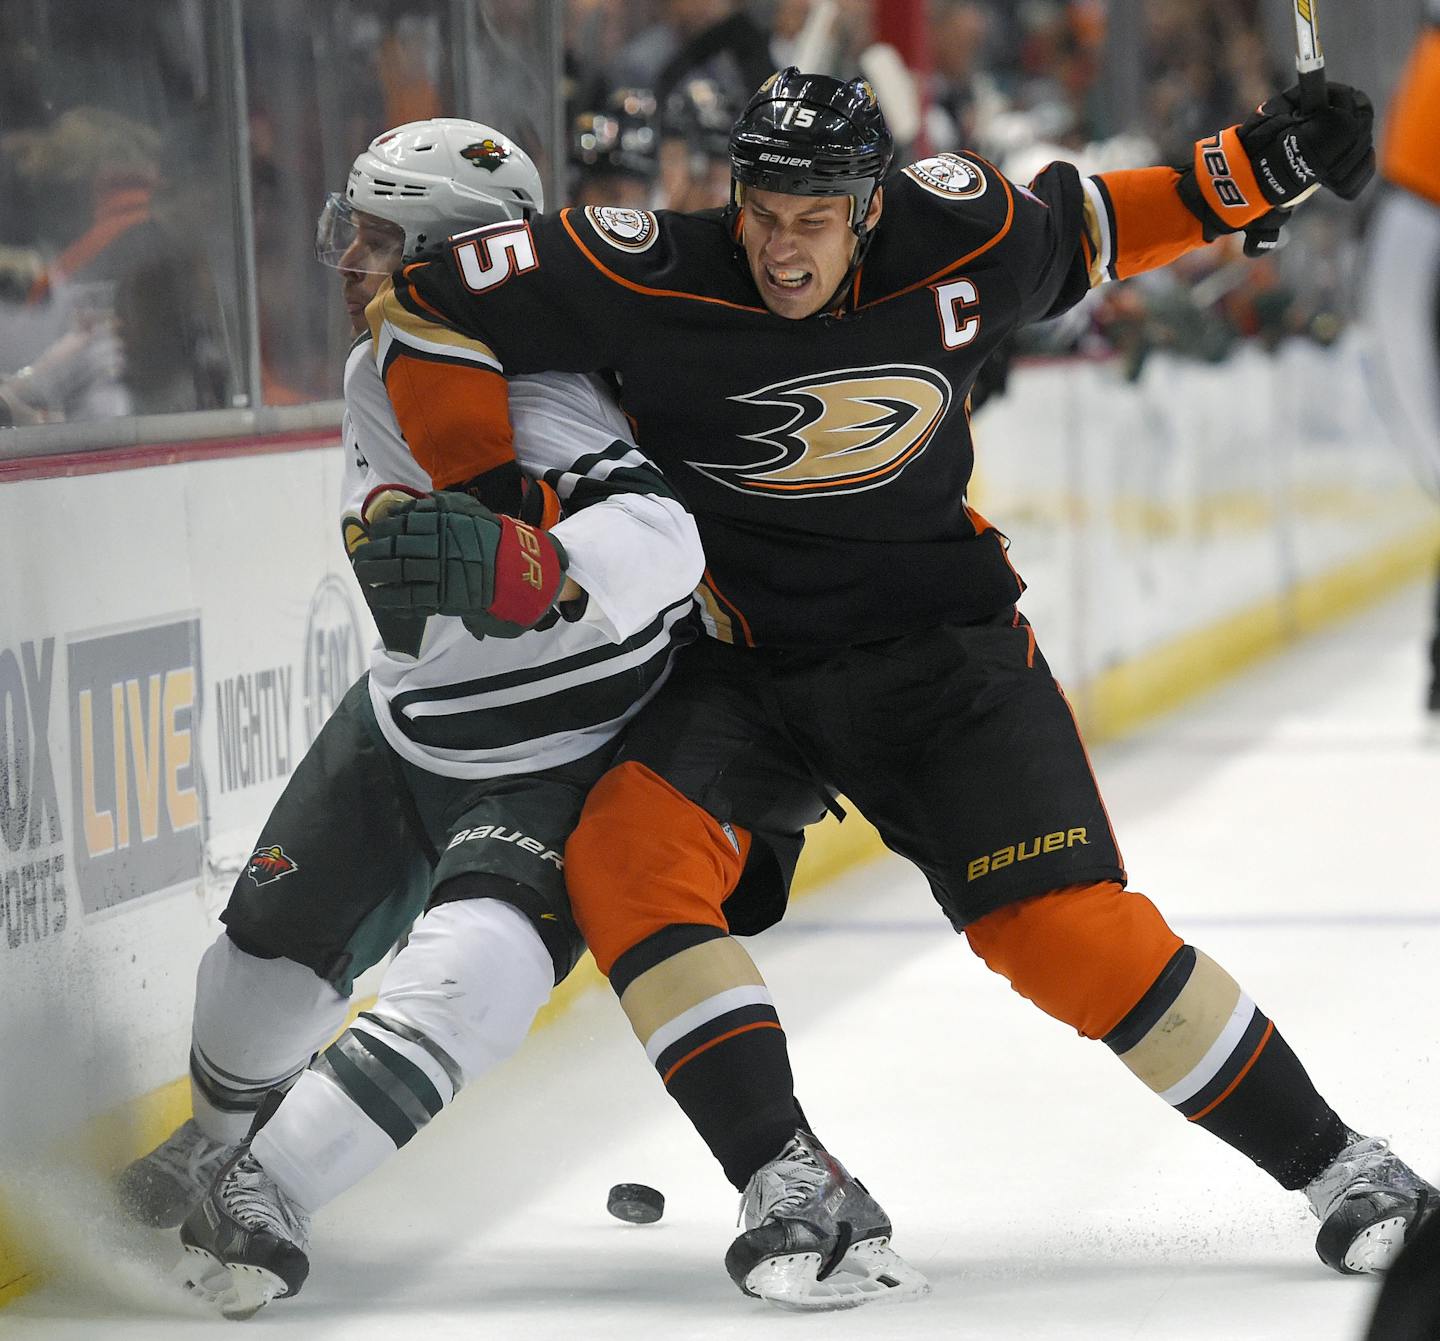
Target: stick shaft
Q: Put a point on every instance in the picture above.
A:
(1309, 56)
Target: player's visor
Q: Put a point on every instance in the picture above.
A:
(350, 239)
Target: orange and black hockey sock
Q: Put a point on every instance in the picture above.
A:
(705, 1017)
(1102, 959)
(648, 872)
(1207, 1049)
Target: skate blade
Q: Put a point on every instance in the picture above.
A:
(238, 1290)
(251, 1288)
(870, 1273)
(201, 1273)
(1376, 1247)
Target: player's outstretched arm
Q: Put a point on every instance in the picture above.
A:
(1143, 218)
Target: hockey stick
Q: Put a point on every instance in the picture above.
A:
(1310, 65)
(1309, 58)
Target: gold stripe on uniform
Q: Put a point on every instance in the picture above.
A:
(1179, 1040)
(387, 309)
(684, 980)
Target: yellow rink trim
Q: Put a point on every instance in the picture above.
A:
(1120, 699)
(1115, 703)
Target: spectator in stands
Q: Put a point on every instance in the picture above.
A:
(126, 270)
(694, 146)
(77, 377)
(963, 93)
(644, 56)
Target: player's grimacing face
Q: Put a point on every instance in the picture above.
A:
(799, 248)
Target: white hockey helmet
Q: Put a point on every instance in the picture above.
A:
(430, 179)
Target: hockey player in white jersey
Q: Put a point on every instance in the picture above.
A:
(446, 782)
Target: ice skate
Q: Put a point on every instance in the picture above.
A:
(815, 1238)
(1366, 1202)
(245, 1242)
(160, 1189)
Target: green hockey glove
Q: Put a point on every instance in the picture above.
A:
(448, 554)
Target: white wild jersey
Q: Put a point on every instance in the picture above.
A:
(481, 708)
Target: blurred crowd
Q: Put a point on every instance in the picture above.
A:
(146, 269)
(652, 89)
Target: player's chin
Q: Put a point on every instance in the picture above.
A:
(793, 301)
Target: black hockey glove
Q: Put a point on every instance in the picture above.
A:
(1290, 150)
(1264, 236)
(448, 554)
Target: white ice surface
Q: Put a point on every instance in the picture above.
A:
(1287, 825)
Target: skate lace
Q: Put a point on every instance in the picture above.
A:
(790, 1181)
(253, 1198)
(1364, 1165)
(190, 1155)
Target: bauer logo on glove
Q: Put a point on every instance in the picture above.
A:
(1291, 150)
(448, 554)
(1244, 173)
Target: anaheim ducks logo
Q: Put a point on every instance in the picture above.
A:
(487, 153)
(268, 864)
(948, 175)
(846, 431)
(628, 229)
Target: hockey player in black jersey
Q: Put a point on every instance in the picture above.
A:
(800, 364)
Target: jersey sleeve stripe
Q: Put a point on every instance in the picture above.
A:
(390, 319)
(728, 608)
(440, 349)
(599, 475)
(643, 288)
(544, 672)
(617, 453)
(576, 701)
(1151, 225)
(397, 348)
(1100, 228)
(995, 238)
(580, 492)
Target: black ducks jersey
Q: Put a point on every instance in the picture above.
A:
(826, 460)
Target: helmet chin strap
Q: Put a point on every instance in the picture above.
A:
(863, 238)
(857, 257)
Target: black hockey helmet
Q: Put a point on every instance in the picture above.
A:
(811, 135)
(621, 139)
(699, 112)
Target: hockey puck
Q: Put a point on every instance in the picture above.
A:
(635, 1203)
